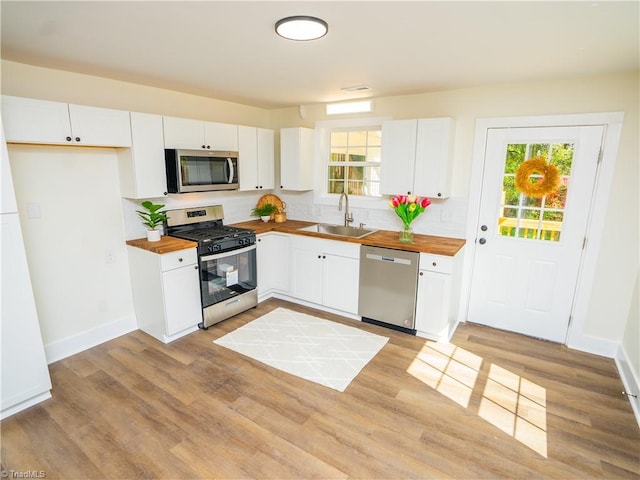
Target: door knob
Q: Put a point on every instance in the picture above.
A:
(482, 241)
(483, 228)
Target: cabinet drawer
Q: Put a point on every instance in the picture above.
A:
(436, 263)
(169, 261)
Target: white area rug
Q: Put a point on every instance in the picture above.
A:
(322, 351)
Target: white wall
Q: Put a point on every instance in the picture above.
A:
(632, 333)
(71, 214)
(47, 84)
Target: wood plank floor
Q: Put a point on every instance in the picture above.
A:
(489, 405)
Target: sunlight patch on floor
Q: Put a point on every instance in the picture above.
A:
(516, 406)
(450, 370)
(509, 402)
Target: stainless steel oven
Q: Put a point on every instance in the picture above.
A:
(226, 257)
(228, 282)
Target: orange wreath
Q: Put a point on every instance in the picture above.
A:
(546, 185)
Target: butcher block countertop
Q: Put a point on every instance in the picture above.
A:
(382, 238)
(165, 245)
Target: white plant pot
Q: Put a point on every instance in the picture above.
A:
(153, 235)
(265, 218)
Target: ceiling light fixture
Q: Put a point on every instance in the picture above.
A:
(363, 106)
(301, 27)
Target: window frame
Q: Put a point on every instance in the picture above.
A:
(323, 131)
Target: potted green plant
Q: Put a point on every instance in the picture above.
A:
(152, 218)
(264, 211)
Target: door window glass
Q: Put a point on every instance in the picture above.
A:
(534, 217)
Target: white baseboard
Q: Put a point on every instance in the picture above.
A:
(7, 412)
(310, 304)
(629, 380)
(595, 345)
(82, 341)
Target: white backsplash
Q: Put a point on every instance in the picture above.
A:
(237, 207)
(443, 217)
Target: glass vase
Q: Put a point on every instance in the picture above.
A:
(406, 235)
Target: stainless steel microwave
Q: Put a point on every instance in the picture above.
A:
(200, 170)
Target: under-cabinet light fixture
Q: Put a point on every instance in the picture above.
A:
(301, 27)
(361, 106)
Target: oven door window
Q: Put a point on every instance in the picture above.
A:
(226, 275)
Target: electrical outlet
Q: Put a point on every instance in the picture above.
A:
(103, 306)
(109, 256)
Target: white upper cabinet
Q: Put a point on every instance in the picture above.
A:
(141, 167)
(296, 158)
(256, 158)
(417, 157)
(28, 120)
(221, 136)
(195, 134)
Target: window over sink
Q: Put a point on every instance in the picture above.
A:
(353, 165)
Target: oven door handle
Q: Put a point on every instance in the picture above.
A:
(230, 253)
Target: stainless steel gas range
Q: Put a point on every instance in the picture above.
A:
(226, 258)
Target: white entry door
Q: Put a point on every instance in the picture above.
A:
(529, 243)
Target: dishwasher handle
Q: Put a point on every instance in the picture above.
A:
(384, 258)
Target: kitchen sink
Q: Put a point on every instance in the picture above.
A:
(338, 230)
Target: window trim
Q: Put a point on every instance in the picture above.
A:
(321, 155)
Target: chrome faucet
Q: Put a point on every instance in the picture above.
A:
(348, 216)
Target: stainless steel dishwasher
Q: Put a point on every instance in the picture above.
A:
(388, 287)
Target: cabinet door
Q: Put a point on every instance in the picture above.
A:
(266, 163)
(273, 263)
(306, 275)
(142, 171)
(248, 158)
(221, 136)
(27, 120)
(100, 126)
(296, 158)
(434, 157)
(432, 305)
(341, 282)
(181, 298)
(398, 157)
(183, 133)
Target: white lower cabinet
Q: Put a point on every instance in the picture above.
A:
(166, 292)
(273, 263)
(325, 272)
(436, 305)
(340, 282)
